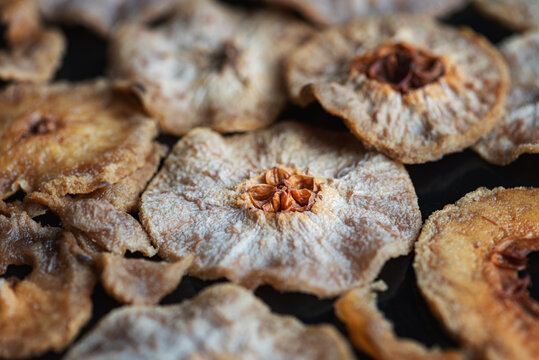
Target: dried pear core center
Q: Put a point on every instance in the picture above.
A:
(278, 190)
(226, 55)
(43, 125)
(401, 65)
(510, 258)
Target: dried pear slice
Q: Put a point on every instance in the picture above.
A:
(518, 131)
(298, 208)
(101, 225)
(517, 14)
(467, 261)
(337, 12)
(124, 195)
(404, 85)
(106, 234)
(208, 65)
(102, 16)
(139, 281)
(224, 321)
(70, 139)
(34, 53)
(47, 309)
(371, 332)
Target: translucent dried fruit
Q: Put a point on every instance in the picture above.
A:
(404, 85)
(33, 52)
(70, 139)
(467, 261)
(518, 131)
(364, 209)
(139, 281)
(45, 310)
(518, 14)
(371, 332)
(209, 65)
(101, 225)
(103, 16)
(223, 321)
(124, 195)
(337, 12)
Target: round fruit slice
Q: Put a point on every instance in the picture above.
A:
(70, 139)
(518, 131)
(404, 85)
(209, 65)
(298, 208)
(468, 259)
(222, 322)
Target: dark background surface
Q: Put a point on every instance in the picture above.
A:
(437, 184)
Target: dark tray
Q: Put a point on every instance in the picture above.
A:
(437, 184)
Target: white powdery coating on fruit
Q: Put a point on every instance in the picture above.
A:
(335, 12)
(103, 15)
(368, 211)
(518, 14)
(518, 131)
(209, 65)
(422, 125)
(222, 322)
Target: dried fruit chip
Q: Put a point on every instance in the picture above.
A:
(518, 131)
(467, 261)
(103, 15)
(124, 195)
(70, 138)
(46, 310)
(209, 65)
(223, 321)
(371, 332)
(18, 206)
(404, 85)
(33, 53)
(103, 226)
(336, 12)
(139, 281)
(518, 14)
(298, 208)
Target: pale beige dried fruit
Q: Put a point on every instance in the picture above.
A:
(46, 310)
(467, 261)
(337, 12)
(34, 52)
(517, 14)
(404, 85)
(371, 332)
(224, 321)
(103, 16)
(518, 131)
(70, 139)
(101, 225)
(124, 195)
(139, 281)
(208, 65)
(364, 209)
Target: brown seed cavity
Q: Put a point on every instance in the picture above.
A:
(509, 258)
(400, 65)
(277, 190)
